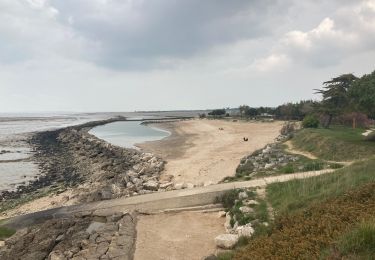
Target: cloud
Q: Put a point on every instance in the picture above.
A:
(175, 54)
(349, 31)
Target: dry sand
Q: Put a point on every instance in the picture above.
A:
(198, 152)
(177, 236)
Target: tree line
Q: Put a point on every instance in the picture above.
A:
(342, 97)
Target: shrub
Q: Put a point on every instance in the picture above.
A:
(228, 198)
(310, 121)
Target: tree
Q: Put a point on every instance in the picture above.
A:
(362, 95)
(251, 112)
(335, 96)
(217, 112)
(243, 109)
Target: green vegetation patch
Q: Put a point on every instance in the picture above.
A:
(304, 234)
(358, 243)
(5, 232)
(297, 194)
(336, 143)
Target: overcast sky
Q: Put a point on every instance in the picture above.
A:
(125, 55)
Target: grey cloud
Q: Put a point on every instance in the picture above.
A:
(136, 34)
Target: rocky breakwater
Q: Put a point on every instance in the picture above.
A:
(93, 235)
(89, 167)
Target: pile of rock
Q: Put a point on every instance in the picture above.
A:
(233, 233)
(267, 159)
(110, 171)
(81, 237)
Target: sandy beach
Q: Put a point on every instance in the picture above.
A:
(199, 152)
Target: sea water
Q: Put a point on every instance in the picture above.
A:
(128, 133)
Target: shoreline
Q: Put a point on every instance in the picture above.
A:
(77, 167)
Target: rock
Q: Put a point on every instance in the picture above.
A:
(151, 185)
(242, 195)
(245, 231)
(250, 202)
(190, 185)
(246, 209)
(179, 186)
(221, 214)
(226, 241)
(60, 238)
(268, 165)
(165, 185)
(227, 224)
(105, 194)
(137, 182)
(56, 255)
(94, 226)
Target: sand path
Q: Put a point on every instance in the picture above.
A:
(177, 236)
(198, 152)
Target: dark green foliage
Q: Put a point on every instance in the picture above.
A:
(295, 111)
(362, 94)
(310, 121)
(228, 198)
(217, 112)
(335, 96)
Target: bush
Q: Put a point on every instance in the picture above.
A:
(228, 198)
(310, 121)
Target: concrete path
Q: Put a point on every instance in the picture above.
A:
(154, 202)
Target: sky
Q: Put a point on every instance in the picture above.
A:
(126, 55)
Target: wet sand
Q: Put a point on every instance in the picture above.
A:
(199, 152)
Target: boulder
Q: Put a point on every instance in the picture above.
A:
(151, 185)
(166, 185)
(245, 231)
(246, 209)
(242, 195)
(250, 202)
(226, 241)
(221, 214)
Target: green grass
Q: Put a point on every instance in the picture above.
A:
(297, 194)
(336, 143)
(225, 255)
(5, 232)
(359, 243)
